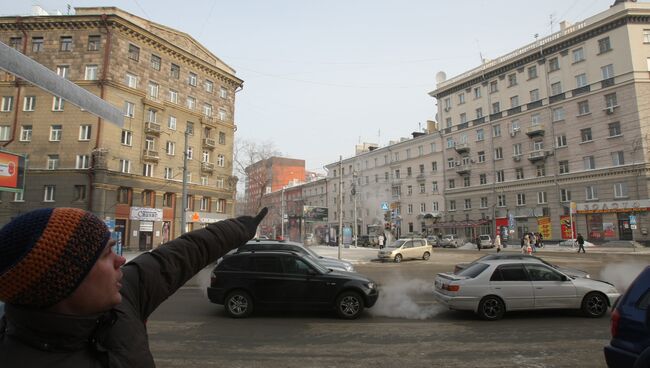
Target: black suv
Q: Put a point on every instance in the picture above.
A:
(287, 280)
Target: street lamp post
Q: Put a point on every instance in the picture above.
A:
(184, 190)
(354, 195)
(340, 232)
(282, 213)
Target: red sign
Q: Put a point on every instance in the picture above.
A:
(12, 172)
(565, 224)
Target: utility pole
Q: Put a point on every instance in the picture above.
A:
(282, 213)
(184, 191)
(354, 195)
(340, 234)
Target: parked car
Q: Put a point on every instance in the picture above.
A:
(449, 241)
(630, 343)
(491, 287)
(406, 248)
(328, 262)
(433, 241)
(287, 280)
(565, 270)
(309, 239)
(486, 241)
(368, 241)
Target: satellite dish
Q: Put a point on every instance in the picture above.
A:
(441, 77)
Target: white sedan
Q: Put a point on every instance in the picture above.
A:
(492, 287)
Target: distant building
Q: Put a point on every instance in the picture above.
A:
(271, 175)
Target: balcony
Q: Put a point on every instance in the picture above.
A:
(421, 177)
(607, 82)
(556, 98)
(462, 148)
(209, 143)
(479, 121)
(496, 115)
(534, 104)
(207, 167)
(581, 90)
(538, 155)
(535, 131)
(514, 110)
(464, 169)
(150, 155)
(152, 128)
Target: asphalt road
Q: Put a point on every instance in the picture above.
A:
(406, 327)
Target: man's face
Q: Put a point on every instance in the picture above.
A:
(100, 290)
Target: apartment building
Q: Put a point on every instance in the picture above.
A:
(176, 95)
(563, 119)
(399, 186)
(271, 175)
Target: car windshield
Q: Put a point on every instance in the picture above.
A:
(312, 253)
(473, 270)
(397, 244)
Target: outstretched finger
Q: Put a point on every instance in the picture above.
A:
(261, 215)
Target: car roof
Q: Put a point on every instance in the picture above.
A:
(272, 242)
(266, 251)
(509, 261)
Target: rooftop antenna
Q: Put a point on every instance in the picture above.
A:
(69, 7)
(419, 126)
(379, 137)
(480, 54)
(551, 21)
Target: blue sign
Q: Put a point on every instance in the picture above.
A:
(632, 220)
(511, 221)
(384, 206)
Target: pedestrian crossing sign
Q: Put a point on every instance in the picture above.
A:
(384, 206)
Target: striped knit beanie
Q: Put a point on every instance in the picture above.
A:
(46, 253)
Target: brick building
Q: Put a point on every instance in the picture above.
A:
(271, 175)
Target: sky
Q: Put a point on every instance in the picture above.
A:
(323, 76)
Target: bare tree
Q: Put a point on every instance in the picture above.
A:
(246, 153)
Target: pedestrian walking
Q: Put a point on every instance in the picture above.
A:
(72, 302)
(478, 242)
(581, 243)
(380, 240)
(526, 249)
(497, 243)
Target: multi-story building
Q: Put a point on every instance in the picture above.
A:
(398, 186)
(268, 176)
(170, 88)
(560, 120)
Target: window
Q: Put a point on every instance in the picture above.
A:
(461, 98)
(468, 204)
(207, 110)
(205, 204)
(498, 153)
(152, 115)
(66, 43)
(591, 193)
(171, 122)
(534, 95)
(209, 86)
(501, 200)
(484, 202)
(26, 133)
(514, 126)
(37, 44)
(170, 148)
(149, 143)
(124, 195)
(589, 162)
(434, 187)
(614, 129)
(565, 195)
(175, 71)
(519, 173)
(463, 118)
(134, 52)
(482, 179)
(155, 62)
(514, 101)
(148, 197)
(448, 122)
(452, 205)
(610, 100)
(16, 42)
(169, 173)
(129, 109)
(535, 119)
(479, 113)
(189, 128)
(57, 103)
(221, 206)
(84, 132)
(48, 195)
(94, 42)
(481, 156)
(564, 167)
(541, 170)
(532, 72)
(583, 108)
(541, 198)
(397, 174)
(91, 72)
(521, 199)
(434, 166)
(79, 193)
(63, 71)
(131, 80)
(127, 137)
(607, 71)
(578, 55)
(501, 177)
(480, 135)
(477, 92)
(556, 88)
(494, 87)
(558, 114)
(620, 190)
(173, 96)
(560, 141)
(4, 132)
(604, 45)
(222, 138)
(125, 167)
(451, 163)
(466, 181)
(55, 132)
(496, 107)
(496, 130)
(52, 162)
(29, 103)
(409, 208)
(585, 135)
(554, 64)
(153, 90)
(451, 183)
(191, 80)
(581, 80)
(223, 93)
(221, 160)
(191, 103)
(512, 79)
(147, 170)
(618, 158)
(7, 103)
(83, 162)
(205, 156)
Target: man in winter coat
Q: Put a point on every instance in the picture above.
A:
(69, 301)
(581, 243)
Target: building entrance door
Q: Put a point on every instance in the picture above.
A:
(145, 241)
(624, 229)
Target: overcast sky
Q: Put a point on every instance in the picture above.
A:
(322, 76)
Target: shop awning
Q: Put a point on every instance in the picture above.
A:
(467, 223)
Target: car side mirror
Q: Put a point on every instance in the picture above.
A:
(312, 272)
(565, 278)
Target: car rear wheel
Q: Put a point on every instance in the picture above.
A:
(349, 305)
(398, 258)
(426, 256)
(491, 308)
(594, 305)
(239, 304)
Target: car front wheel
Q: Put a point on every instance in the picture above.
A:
(426, 256)
(491, 308)
(349, 305)
(239, 304)
(594, 305)
(398, 258)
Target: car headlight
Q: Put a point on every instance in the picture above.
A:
(349, 268)
(370, 285)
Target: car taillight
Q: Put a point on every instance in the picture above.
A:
(616, 316)
(453, 287)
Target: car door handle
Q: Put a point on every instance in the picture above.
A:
(539, 288)
(498, 288)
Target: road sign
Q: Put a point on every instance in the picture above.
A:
(632, 220)
(384, 206)
(633, 227)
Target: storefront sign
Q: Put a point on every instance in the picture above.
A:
(311, 213)
(146, 214)
(544, 227)
(608, 229)
(12, 172)
(565, 225)
(640, 205)
(204, 217)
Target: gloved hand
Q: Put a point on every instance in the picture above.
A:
(251, 223)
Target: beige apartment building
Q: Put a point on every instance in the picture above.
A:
(169, 86)
(563, 119)
(397, 187)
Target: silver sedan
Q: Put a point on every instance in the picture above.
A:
(492, 287)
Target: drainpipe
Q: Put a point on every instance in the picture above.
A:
(20, 25)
